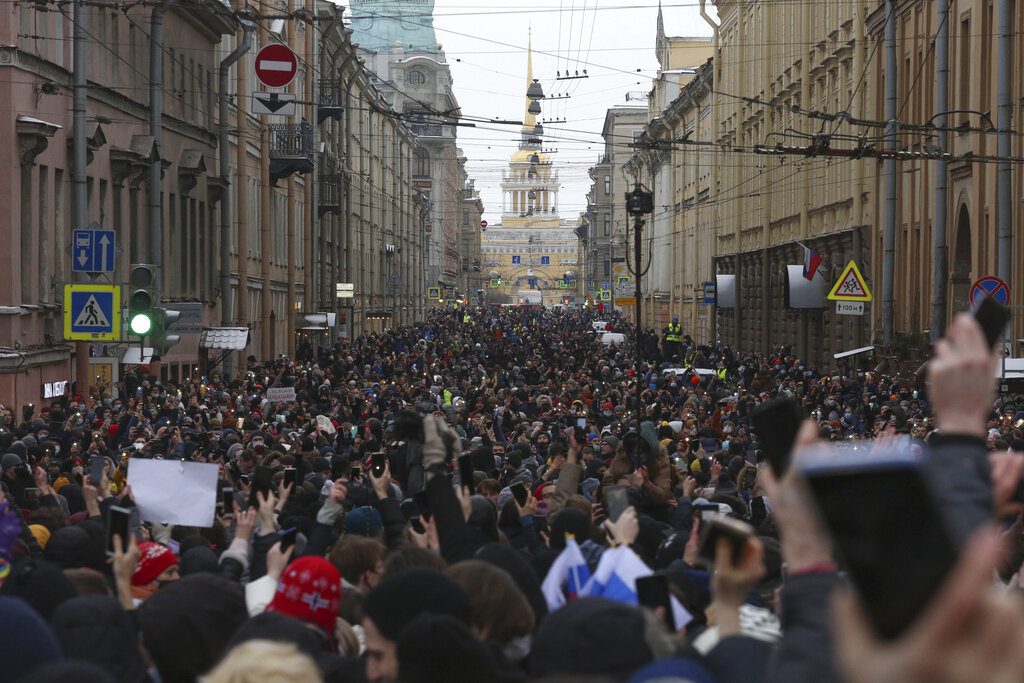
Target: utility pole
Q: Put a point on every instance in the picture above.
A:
(940, 232)
(889, 237)
(80, 195)
(156, 103)
(1004, 110)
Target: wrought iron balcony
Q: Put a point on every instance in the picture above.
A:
(330, 101)
(291, 149)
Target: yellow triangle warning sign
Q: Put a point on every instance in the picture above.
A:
(850, 286)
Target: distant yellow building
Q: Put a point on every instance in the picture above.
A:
(531, 255)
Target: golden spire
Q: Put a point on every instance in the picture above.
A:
(529, 120)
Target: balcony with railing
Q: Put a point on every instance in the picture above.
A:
(291, 149)
(329, 185)
(330, 102)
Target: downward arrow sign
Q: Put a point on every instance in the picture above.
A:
(82, 258)
(274, 104)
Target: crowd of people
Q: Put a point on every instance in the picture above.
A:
(410, 515)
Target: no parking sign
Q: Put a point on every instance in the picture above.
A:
(990, 286)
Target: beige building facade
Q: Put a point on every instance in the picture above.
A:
(319, 198)
(774, 64)
(972, 208)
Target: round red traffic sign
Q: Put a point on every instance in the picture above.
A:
(276, 65)
(483, 224)
(990, 286)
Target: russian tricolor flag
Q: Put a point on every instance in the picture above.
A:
(811, 262)
(567, 576)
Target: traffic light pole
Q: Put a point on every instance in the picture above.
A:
(638, 224)
(638, 203)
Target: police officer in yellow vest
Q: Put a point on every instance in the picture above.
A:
(673, 334)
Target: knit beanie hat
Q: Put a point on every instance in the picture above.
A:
(9, 460)
(363, 521)
(310, 590)
(41, 534)
(399, 599)
(153, 560)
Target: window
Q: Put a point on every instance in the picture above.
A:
(607, 185)
(415, 77)
(607, 225)
(421, 165)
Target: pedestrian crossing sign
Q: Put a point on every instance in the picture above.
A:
(434, 293)
(92, 312)
(606, 295)
(850, 286)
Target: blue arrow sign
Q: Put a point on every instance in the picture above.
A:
(92, 251)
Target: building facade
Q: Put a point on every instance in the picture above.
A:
(678, 174)
(608, 224)
(972, 209)
(470, 258)
(261, 245)
(397, 39)
(775, 65)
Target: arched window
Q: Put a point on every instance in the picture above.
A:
(415, 77)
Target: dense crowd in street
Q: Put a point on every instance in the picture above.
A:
(496, 495)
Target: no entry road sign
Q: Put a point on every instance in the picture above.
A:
(276, 65)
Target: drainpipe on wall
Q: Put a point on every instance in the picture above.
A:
(225, 169)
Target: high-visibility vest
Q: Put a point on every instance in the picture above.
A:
(447, 397)
(675, 331)
(721, 374)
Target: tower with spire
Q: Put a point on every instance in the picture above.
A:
(529, 257)
(530, 185)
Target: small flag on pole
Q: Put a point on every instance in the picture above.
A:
(812, 260)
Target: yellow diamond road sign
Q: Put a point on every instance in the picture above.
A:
(850, 286)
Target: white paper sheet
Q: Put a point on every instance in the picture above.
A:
(173, 491)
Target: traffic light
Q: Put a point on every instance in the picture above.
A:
(142, 299)
(163, 319)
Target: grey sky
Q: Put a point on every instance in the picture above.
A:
(485, 43)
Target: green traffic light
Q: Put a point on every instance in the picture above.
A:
(141, 324)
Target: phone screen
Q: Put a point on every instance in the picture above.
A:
(993, 318)
(776, 424)
(119, 522)
(289, 476)
(227, 500)
(288, 538)
(519, 492)
(261, 483)
(378, 461)
(466, 471)
(652, 592)
(890, 536)
(716, 526)
(96, 464)
(580, 430)
(616, 500)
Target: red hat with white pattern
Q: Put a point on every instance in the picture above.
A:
(310, 590)
(153, 560)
